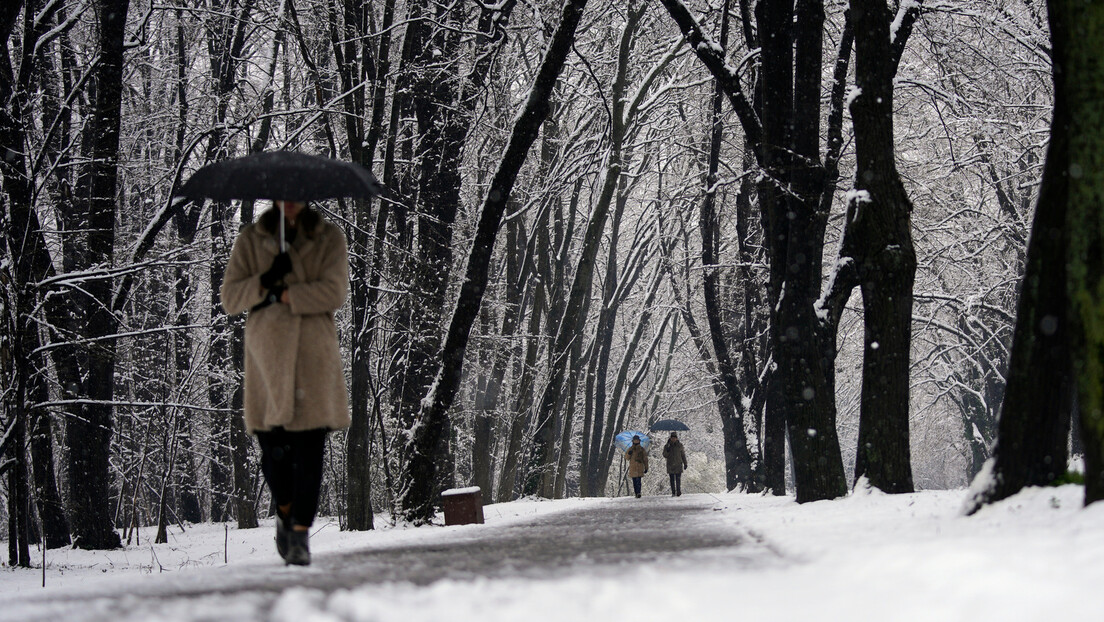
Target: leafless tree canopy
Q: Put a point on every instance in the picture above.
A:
(799, 229)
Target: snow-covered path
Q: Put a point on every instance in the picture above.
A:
(599, 539)
(869, 557)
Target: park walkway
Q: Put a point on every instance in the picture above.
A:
(600, 539)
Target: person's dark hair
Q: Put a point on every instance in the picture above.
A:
(308, 220)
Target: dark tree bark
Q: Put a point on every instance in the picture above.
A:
(417, 500)
(356, 64)
(790, 94)
(1077, 31)
(443, 102)
(738, 467)
(1034, 422)
(784, 135)
(24, 243)
(13, 453)
(878, 239)
(51, 511)
(89, 435)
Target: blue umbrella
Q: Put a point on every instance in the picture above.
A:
(669, 425)
(624, 439)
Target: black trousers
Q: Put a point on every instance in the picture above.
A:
(292, 467)
(676, 483)
(636, 485)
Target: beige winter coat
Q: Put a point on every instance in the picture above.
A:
(638, 460)
(293, 370)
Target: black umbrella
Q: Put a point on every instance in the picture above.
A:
(286, 175)
(669, 425)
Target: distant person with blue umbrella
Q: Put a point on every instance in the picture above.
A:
(675, 456)
(637, 457)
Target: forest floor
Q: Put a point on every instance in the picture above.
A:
(1037, 556)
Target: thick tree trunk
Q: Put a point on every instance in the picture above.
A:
(878, 238)
(738, 466)
(1033, 430)
(19, 495)
(355, 61)
(443, 111)
(789, 154)
(25, 244)
(1077, 30)
(433, 87)
(89, 435)
(784, 134)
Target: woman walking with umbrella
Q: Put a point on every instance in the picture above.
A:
(290, 270)
(637, 458)
(675, 456)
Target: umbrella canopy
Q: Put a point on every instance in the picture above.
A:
(624, 439)
(669, 425)
(285, 175)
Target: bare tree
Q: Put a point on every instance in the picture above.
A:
(417, 500)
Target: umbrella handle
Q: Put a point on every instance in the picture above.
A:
(283, 239)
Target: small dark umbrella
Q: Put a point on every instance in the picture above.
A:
(669, 425)
(286, 175)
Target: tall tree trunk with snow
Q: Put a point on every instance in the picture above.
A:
(444, 99)
(432, 419)
(1033, 429)
(355, 65)
(434, 92)
(51, 508)
(25, 244)
(1078, 36)
(89, 435)
(738, 467)
(790, 85)
(878, 239)
(783, 127)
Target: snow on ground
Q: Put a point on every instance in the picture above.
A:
(1037, 556)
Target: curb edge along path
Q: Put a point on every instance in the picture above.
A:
(603, 540)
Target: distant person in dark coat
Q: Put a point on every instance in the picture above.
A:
(676, 463)
(637, 457)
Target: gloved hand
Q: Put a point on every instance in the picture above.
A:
(274, 294)
(281, 266)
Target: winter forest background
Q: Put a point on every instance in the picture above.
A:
(678, 205)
